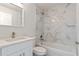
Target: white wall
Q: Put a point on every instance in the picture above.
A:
(29, 24)
(30, 20)
(77, 15)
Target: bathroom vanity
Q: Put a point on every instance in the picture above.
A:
(16, 47)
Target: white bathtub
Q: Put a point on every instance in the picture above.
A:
(57, 49)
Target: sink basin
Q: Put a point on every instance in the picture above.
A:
(9, 41)
(15, 39)
(18, 38)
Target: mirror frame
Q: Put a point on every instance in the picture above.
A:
(22, 25)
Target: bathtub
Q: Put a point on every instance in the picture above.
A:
(57, 49)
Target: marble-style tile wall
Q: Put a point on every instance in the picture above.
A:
(39, 24)
(58, 24)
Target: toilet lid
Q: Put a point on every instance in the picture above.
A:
(40, 49)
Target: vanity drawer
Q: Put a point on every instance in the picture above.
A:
(16, 47)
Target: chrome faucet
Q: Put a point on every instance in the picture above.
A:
(13, 35)
(41, 39)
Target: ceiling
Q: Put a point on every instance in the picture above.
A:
(49, 5)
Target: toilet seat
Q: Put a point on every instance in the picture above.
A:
(40, 51)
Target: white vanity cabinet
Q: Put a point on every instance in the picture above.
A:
(23, 48)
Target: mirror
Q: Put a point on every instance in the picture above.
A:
(11, 14)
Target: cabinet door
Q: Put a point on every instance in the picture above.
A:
(22, 52)
(28, 51)
(17, 53)
(18, 49)
(13, 54)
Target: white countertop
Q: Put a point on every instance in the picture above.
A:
(8, 41)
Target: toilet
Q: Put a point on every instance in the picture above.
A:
(39, 51)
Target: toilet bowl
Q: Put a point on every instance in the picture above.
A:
(39, 51)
